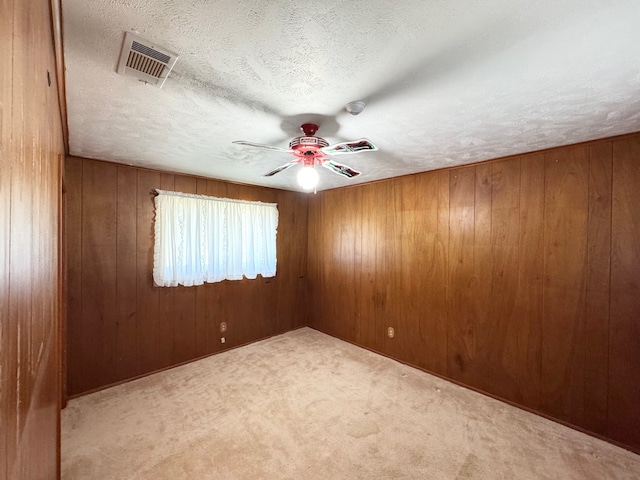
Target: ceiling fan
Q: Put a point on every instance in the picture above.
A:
(310, 150)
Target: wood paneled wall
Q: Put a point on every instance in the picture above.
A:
(119, 325)
(31, 152)
(518, 277)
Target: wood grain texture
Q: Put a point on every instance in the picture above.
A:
(331, 267)
(8, 354)
(500, 335)
(385, 244)
(429, 256)
(401, 308)
(496, 275)
(292, 284)
(73, 246)
(148, 321)
(126, 253)
(366, 328)
(598, 287)
(479, 284)
(389, 270)
(30, 193)
(462, 322)
(624, 332)
(7, 447)
(143, 327)
(530, 281)
(99, 244)
(21, 261)
(565, 276)
(314, 265)
(340, 239)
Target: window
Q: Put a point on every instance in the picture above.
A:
(207, 239)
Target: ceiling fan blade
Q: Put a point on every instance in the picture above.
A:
(271, 173)
(341, 169)
(356, 146)
(476, 45)
(260, 145)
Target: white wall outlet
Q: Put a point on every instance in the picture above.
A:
(223, 327)
(391, 332)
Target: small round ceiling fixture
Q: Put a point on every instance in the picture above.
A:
(356, 107)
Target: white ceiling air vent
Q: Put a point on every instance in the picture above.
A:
(147, 62)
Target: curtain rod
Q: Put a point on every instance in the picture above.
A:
(156, 191)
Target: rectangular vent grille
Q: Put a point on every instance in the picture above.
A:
(145, 61)
(150, 52)
(144, 64)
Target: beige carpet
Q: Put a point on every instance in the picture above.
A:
(307, 406)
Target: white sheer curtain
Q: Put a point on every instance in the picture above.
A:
(207, 239)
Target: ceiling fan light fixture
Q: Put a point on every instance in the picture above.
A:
(308, 177)
(356, 107)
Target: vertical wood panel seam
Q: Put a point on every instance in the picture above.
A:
(544, 278)
(518, 324)
(609, 286)
(136, 366)
(81, 343)
(520, 250)
(585, 285)
(587, 278)
(7, 325)
(118, 320)
(447, 267)
(611, 197)
(448, 292)
(473, 243)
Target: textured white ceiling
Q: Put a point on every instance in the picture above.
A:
(446, 82)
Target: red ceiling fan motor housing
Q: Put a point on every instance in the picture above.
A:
(309, 149)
